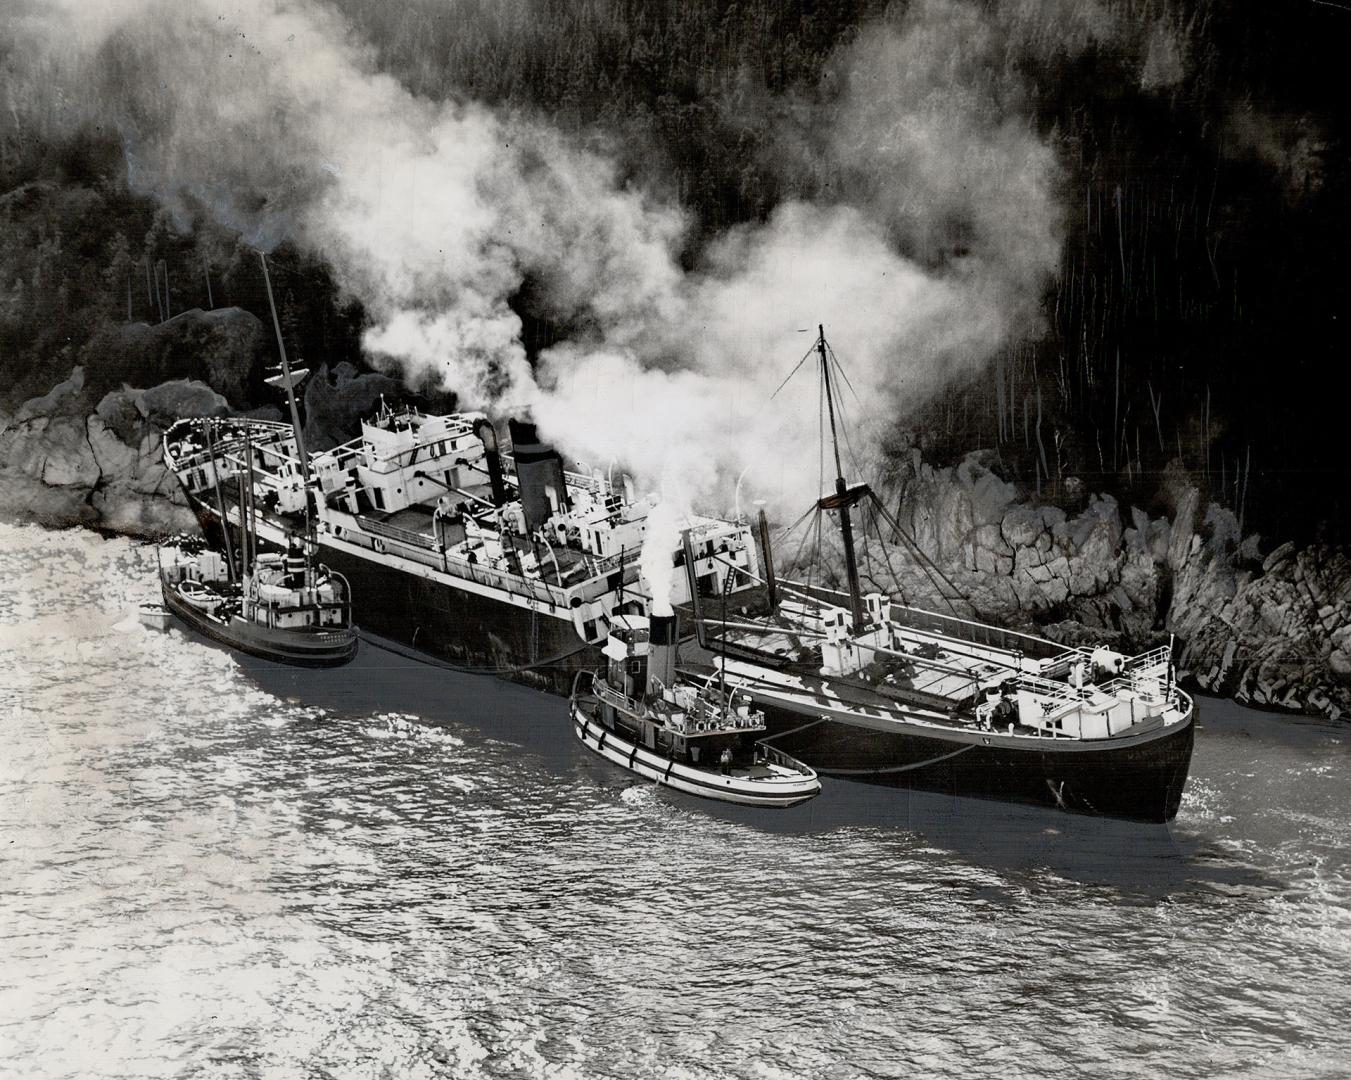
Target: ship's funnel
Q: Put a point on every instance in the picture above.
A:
(492, 460)
(539, 473)
(661, 656)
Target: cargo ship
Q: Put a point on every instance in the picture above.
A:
(863, 687)
(495, 559)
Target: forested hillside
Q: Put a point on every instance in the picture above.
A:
(1197, 314)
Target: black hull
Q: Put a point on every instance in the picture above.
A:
(471, 632)
(297, 648)
(453, 626)
(1138, 779)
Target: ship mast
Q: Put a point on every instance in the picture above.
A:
(220, 501)
(842, 500)
(295, 413)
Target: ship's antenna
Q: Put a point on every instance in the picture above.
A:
(295, 412)
(841, 492)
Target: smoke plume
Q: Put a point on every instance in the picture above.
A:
(925, 226)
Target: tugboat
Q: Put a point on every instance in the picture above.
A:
(703, 740)
(868, 688)
(285, 608)
(279, 609)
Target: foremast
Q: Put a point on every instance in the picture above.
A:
(845, 497)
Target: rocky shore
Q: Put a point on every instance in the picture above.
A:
(61, 465)
(86, 454)
(1271, 629)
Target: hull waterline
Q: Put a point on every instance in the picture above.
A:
(1139, 778)
(298, 648)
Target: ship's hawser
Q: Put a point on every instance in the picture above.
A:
(495, 560)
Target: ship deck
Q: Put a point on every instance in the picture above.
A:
(935, 672)
(418, 521)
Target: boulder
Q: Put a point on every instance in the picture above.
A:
(222, 346)
(170, 401)
(1021, 525)
(102, 469)
(335, 404)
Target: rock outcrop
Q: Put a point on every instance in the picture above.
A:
(336, 403)
(222, 347)
(62, 463)
(1273, 632)
(70, 457)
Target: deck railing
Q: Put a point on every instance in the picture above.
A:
(976, 633)
(778, 757)
(394, 532)
(952, 626)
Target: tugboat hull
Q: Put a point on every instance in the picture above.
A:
(1137, 777)
(781, 791)
(303, 648)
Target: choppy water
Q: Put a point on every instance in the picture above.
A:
(225, 870)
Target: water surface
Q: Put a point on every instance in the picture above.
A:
(230, 869)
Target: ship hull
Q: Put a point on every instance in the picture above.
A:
(469, 631)
(454, 626)
(1137, 778)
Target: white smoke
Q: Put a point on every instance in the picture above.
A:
(930, 227)
(661, 537)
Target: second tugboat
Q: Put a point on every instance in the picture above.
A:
(702, 740)
(286, 608)
(277, 609)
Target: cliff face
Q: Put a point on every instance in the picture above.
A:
(1273, 632)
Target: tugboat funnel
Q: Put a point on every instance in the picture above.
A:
(661, 657)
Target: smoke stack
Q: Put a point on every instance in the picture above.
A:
(661, 654)
(539, 473)
(487, 435)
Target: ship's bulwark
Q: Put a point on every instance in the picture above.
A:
(462, 628)
(1141, 782)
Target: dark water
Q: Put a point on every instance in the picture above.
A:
(237, 870)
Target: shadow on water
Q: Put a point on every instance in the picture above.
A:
(1143, 861)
